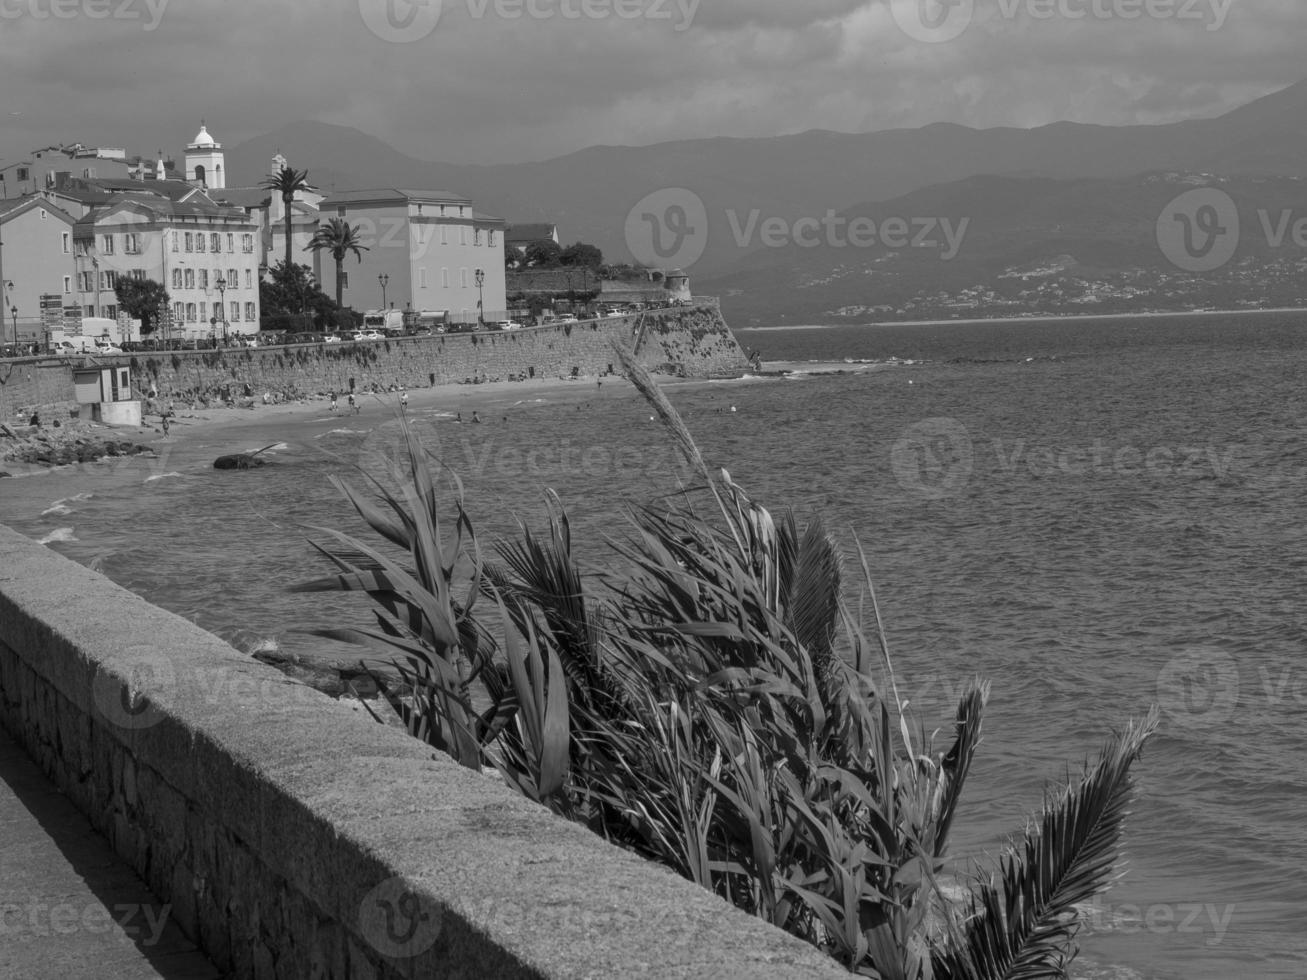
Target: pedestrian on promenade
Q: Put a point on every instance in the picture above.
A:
(403, 400)
(352, 407)
(333, 401)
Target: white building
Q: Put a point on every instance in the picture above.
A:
(205, 163)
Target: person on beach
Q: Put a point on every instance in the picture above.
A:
(458, 417)
(403, 400)
(476, 418)
(333, 401)
(352, 407)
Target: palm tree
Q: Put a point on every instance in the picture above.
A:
(287, 181)
(339, 238)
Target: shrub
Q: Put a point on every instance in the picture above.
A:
(713, 704)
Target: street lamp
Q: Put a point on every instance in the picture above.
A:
(13, 311)
(481, 296)
(222, 306)
(384, 280)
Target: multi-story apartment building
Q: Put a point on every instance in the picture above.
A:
(428, 244)
(206, 256)
(36, 260)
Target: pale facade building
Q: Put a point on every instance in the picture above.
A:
(429, 244)
(36, 260)
(206, 256)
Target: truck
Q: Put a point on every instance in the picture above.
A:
(387, 322)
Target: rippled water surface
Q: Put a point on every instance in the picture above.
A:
(1095, 515)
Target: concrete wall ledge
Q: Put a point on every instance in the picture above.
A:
(294, 837)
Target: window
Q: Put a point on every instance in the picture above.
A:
(89, 173)
(247, 243)
(476, 237)
(249, 312)
(235, 310)
(190, 242)
(215, 243)
(175, 235)
(204, 278)
(190, 312)
(68, 284)
(138, 274)
(80, 247)
(340, 212)
(23, 174)
(249, 279)
(190, 278)
(178, 313)
(176, 278)
(132, 244)
(444, 278)
(491, 236)
(231, 241)
(88, 311)
(462, 277)
(233, 279)
(444, 234)
(204, 311)
(111, 311)
(199, 241)
(462, 234)
(108, 280)
(106, 245)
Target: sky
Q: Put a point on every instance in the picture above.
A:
(491, 81)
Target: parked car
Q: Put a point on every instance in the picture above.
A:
(367, 335)
(330, 338)
(510, 325)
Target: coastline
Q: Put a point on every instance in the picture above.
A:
(1040, 318)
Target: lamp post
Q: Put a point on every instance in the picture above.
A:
(222, 306)
(481, 297)
(385, 281)
(13, 311)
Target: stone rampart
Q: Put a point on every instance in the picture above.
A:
(693, 341)
(292, 836)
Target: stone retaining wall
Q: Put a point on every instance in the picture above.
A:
(294, 837)
(691, 341)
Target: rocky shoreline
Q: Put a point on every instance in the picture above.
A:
(62, 443)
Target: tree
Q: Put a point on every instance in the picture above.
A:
(581, 254)
(543, 255)
(292, 290)
(339, 238)
(287, 182)
(143, 299)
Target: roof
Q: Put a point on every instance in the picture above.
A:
(242, 197)
(160, 207)
(478, 216)
(12, 208)
(175, 190)
(538, 232)
(381, 195)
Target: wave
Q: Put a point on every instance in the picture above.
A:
(160, 476)
(58, 509)
(61, 534)
(336, 432)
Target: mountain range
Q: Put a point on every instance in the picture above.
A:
(1033, 196)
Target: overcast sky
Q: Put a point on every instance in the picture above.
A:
(467, 81)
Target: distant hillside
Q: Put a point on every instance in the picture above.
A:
(589, 193)
(1025, 245)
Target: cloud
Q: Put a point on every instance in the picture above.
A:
(485, 87)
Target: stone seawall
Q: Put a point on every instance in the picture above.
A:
(292, 836)
(693, 341)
